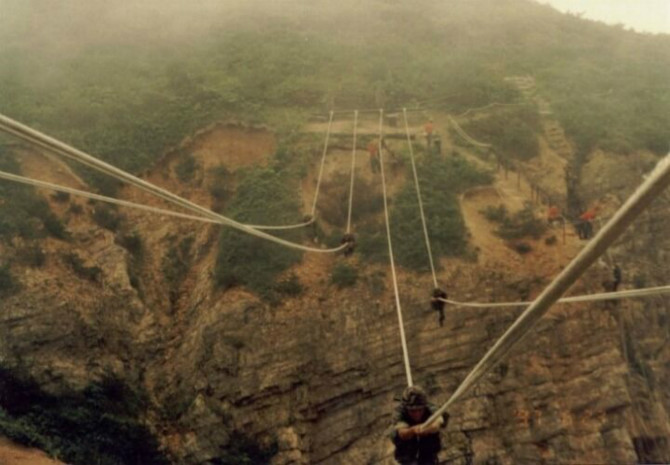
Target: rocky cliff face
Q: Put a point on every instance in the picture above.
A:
(317, 374)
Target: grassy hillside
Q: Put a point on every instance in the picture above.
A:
(128, 97)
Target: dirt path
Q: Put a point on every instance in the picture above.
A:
(13, 454)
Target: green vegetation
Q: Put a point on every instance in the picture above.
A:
(290, 286)
(7, 283)
(513, 132)
(221, 186)
(91, 273)
(265, 195)
(107, 216)
(522, 224)
(186, 168)
(22, 212)
(344, 275)
(31, 255)
(99, 425)
(442, 179)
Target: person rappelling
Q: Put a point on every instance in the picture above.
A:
(415, 444)
(373, 150)
(350, 241)
(437, 303)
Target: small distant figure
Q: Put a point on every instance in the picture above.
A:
(313, 229)
(437, 304)
(415, 445)
(428, 128)
(373, 150)
(350, 242)
(553, 215)
(616, 274)
(585, 225)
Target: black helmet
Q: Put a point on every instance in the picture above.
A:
(414, 396)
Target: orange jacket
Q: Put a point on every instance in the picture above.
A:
(372, 148)
(428, 128)
(588, 215)
(553, 212)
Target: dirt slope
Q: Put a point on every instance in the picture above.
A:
(13, 454)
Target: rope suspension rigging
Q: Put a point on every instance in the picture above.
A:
(353, 168)
(98, 167)
(37, 138)
(649, 291)
(418, 196)
(405, 352)
(323, 161)
(651, 188)
(125, 203)
(465, 135)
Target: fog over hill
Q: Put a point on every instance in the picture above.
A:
(128, 337)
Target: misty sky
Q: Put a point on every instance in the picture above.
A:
(641, 15)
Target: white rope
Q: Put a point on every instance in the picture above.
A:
(403, 340)
(418, 196)
(160, 211)
(651, 188)
(494, 104)
(323, 161)
(31, 135)
(97, 167)
(465, 136)
(353, 168)
(580, 298)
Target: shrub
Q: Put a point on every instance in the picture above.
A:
(333, 202)
(91, 273)
(60, 197)
(221, 186)
(32, 256)
(99, 425)
(7, 284)
(75, 209)
(186, 168)
(441, 180)
(107, 217)
(513, 132)
(290, 286)
(522, 248)
(497, 214)
(344, 275)
(242, 450)
(264, 196)
(133, 243)
(522, 224)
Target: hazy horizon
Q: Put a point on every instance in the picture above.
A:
(651, 16)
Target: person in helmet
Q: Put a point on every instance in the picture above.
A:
(437, 303)
(414, 444)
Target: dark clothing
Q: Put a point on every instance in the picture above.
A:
(616, 272)
(418, 450)
(437, 304)
(350, 242)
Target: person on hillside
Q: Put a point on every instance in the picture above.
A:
(616, 274)
(428, 129)
(373, 150)
(553, 215)
(437, 303)
(414, 444)
(586, 219)
(350, 242)
(313, 228)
